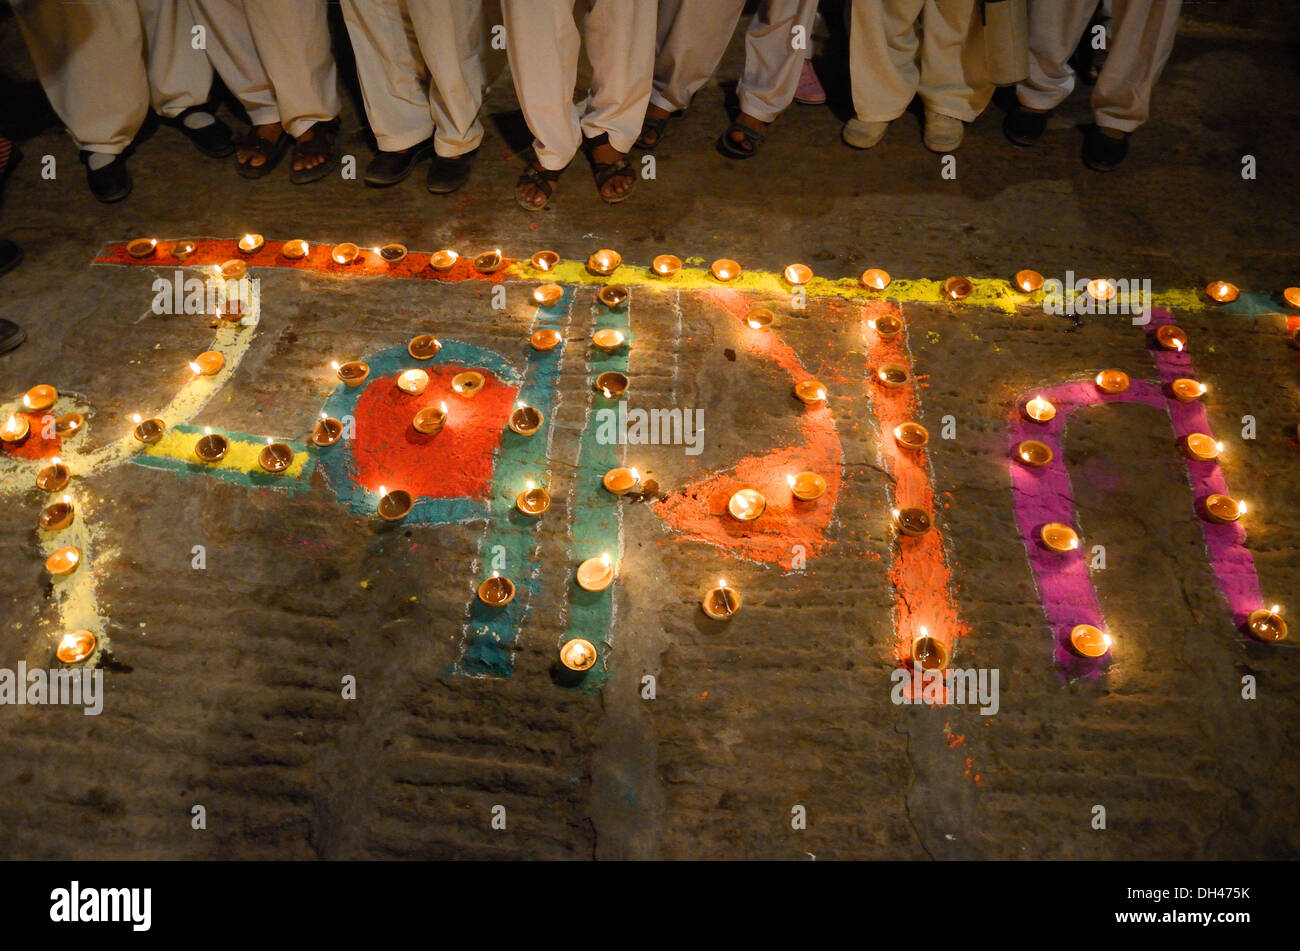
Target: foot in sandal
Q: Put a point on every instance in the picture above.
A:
(536, 185)
(611, 169)
(313, 153)
(652, 129)
(263, 146)
(743, 138)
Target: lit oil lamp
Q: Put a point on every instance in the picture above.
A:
(1059, 537)
(873, 278)
(759, 318)
(721, 602)
(1223, 508)
(1267, 625)
(746, 505)
(544, 340)
(75, 646)
(810, 391)
(1029, 281)
(1202, 447)
(424, 347)
(443, 260)
(496, 591)
(68, 425)
(958, 288)
(621, 480)
(1112, 381)
(148, 431)
(54, 477)
(1034, 453)
(912, 521)
(208, 363)
(596, 574)
(928, 652)
(544, 260)
(607, 339)
(211, 447)
(1292, 296)
(295, 250)
(806, 486)
(467, 384)
(141, 247)
(724, 269)
(58, 516)
(345, 253)
(666, 265)
(1102, 289)
(578, 654)
(395, 505)
(886, 325)
(548, 294)
(1222, 291)
(1187, 391)
(39, 398)
(1040, 410)
(412, 382)
(430, 420)
(183, 250)
(893, 375)
(1089, 641)
(393, 252)
(233, 270)
(275, 457)
(15, 429)
(911, 435)
(353, 373)
(526, 420)
(327, 431)
(489, 262)
(604, 262)
(251, 243)
(613, 296)
(1171, 337)
(534, 500)
(64, 561)
(797, 274)
(612, 384)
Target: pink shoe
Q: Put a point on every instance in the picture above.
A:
(810, 91)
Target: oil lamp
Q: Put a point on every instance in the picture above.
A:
(443, 260)
(468, 383)
(148, 431)
(621, 481)
(75, 646)
(182, 250)
(208, 363)
(1089, 641)
(875, 279)
(141, 247)
(613, 296)
(604, 262)
(496, 592)
(39, 398)
(911, 435)
(958, 288)
(1267, 625)
(1222, 291)
(489, 262)
(746, 505)
(810, 391)
(1202, 447)
(886, 325)
(233, 270)
(353, 373)
(759, 317)
(430, 420)
(15, 429)
(64, 561)
(58, 516)
(912, 521)
(211, 447)
(1171, 337)
(1186, 390)
(1292, 296)
(612, 384)
(893, 374)
(534, 500)
(806, 486)
(345, 253)
(1034, 453)
(1223, 508)
(295, 250)
(424, 347)
(1040, 410)
(395, 505)
(1059, 537)
(666, 265)
(1029, 281)
(578, 654)
(54, 477)
(596, 574)
(545, 339)
(721, 602)
(724, 269)
(525, 420)
(928, 652)
(276, 457)
(412, 382)
(327, 431)
(607, 339)
(1102, 288)
(393, 252)
(544, 260)
(547, 294)
(69, 424)
(797, 274)
(251, 243)
(1112, 381)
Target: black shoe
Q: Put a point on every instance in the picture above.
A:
(1101, 153)
(110, 183)
(446, 175)
(10, 255)
(214, 140)
(389, 168)
(1024, 127)
(11, 335)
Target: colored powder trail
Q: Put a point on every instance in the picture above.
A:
(175, 453)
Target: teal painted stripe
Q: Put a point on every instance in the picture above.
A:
(597, 518)
(490, 633)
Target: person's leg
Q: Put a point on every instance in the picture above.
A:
(1143, 40)
(542, 44)
(1055, 27)
(691, 40)
(89, 58)
(450, 33)
(883, 73)
(620, 45)
(180, 76)
(772, 66)
(955, 84)
(393, 81)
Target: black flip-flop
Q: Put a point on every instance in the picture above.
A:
(731, 150)
(324, 135)
(658, 126)
(543, 179)
(274, 151)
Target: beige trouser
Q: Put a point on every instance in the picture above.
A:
(103, 64)
(693, 36)
(1141, 41)
(274, 55)
(421, 71)
(952, 77)
(542, 43)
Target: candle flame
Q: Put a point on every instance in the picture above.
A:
(790, 481)
(1241, 508)
(605, 559)
(207, 430)
(334, 364)
(135, 418)
(443, 406)
(1106, 640)
(383, 490)
(67, 500)
(636, 476)
(1274, 609)
(722, 582)
(1203, 388)
(56, 461)
(269, 440)
(1218, 446)
(1178, 345)
(924, 632)
(196, 368)
(530, 485)
(896, 513)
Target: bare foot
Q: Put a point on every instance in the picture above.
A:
(253, 159)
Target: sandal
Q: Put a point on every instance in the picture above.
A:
(655, 125)
(604, 171)
(250, 141)
(732, 149)
(321, 143)
(543, 179)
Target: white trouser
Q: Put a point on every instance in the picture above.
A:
(952, 79)
(91, 60)
(542, 43)
(421, 71)
(1142, 37)
(275, 56)
(693, 37)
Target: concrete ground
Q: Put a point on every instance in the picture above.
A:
(224, 685)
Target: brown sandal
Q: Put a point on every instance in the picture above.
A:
(543, 179)
(604, 171)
